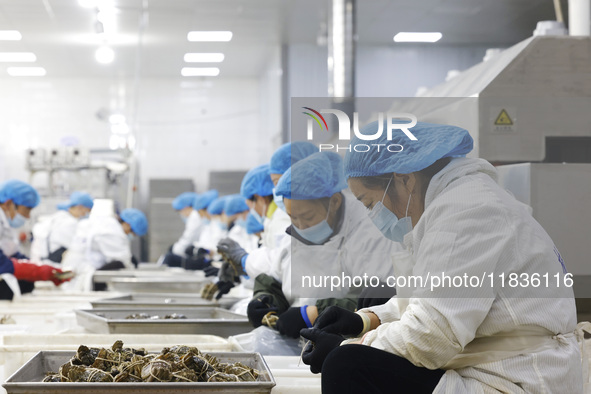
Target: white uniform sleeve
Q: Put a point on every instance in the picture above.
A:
(62, 232)
(190, 235)
(114, 247)
(436, 325)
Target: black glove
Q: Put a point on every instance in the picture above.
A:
(258, 308)
(232, 252)
(194, 263)
(190, 250)
(224, 288)
(291, 322)
(322, 344)
(337, 320)
(172, 260)
(372, 296)
(228, 272)
(211, 271)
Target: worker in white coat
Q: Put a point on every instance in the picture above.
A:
(330, 235)
(53, 236)
(17, 272)
(217, 228)
(183, 205)
(103, 243)
(451, 338)
(235, 213)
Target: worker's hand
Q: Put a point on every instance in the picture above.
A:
(211, 271)
(190, 250)
(26, 270)
(291, 321)
(229, 273)
(372, 296)
(322, 343)
(223, 288)
(194, 263)
(232, 252)
(258, 307)
(172, 260)
(337, 320)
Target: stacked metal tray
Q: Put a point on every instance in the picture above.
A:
(205, 321)
(163, 300)
(28, 379)
(187, 284)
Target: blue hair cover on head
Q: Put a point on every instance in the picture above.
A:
(136, 220)
(217, 206)
(20, 193)
(202, 201)
(434, 142)
(257, 181)
(184, 200)
(77, 198)
(317, 176)
(289, 154)
(252, 225)
(235, 204)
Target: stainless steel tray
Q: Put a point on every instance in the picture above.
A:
(206, 321)
(187, 284)
(28, 379)
(162, 300)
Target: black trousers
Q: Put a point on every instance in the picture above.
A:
(363, 369)
(7, 294)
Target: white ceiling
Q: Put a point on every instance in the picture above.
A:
(61, 32)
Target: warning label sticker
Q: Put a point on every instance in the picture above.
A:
(504, 119)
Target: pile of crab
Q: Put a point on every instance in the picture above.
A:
(175, 364)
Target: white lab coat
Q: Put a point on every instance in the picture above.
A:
(249, 242)
(470, 225)
(274, 241)
(54, 232)
(193, 229)
(210, 236)
(98, 241)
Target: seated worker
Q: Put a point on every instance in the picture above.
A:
(235, 212)
(453, 218)
(183, 204)
(254, 227)
(217, 228)
(17, 272)
(330, 235)
(53, 236)
(103, 243)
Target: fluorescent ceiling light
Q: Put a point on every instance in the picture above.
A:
(200, 71)
(209, 36)
(417, 37)
(204, 57)
(26, 71)
(104, 55)
(10, 35)
(17, 57)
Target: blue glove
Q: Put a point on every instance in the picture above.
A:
(322, 343)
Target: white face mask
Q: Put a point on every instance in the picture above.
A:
(388, 223)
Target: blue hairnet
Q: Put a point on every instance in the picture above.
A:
(257, 181)
(136, 220)
(77, 198)
(253, 226)
(20, 193)
(289, 154)
(434, 142)
(202, 201)
(184, 200)
(317, 176)
(235, 204)
(217, 206)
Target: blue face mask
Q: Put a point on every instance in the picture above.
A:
(18, 221)
(317, 234)
(388, 223)
(206, 221)
(278, 200)
(240, 222)
(130, 236)
(184, 218)
(223, 226)
(256, 215)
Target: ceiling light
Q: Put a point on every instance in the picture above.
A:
(209, 36)
(417, 37)
(204, 57)
(17, 57)
(104, 55)
(26, 71)
(200, 71)
(116, 119)
(10, 35)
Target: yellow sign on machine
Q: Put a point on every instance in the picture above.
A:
(503, 119)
